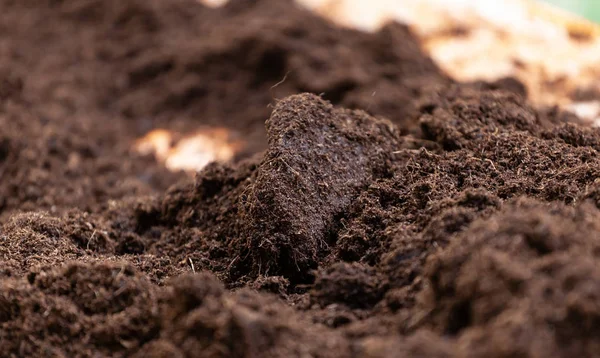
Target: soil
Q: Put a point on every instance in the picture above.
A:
(379, 208)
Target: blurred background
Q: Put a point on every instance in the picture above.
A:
(551, 46)
(589, 9)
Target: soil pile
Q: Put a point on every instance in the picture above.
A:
(463, 224)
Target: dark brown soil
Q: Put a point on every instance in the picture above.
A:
(379, 209)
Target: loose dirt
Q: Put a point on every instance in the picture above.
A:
(378, 208)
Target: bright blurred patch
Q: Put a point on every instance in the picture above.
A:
(589, 9)
(191, 152)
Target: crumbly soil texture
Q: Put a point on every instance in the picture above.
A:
(377, 209)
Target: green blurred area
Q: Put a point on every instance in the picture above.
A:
(589, 9)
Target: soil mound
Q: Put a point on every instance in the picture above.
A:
(386, 211)
(229, 67)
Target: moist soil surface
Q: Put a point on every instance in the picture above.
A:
(378, 208)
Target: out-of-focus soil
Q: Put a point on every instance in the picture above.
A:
(378, 208)
(553, 52)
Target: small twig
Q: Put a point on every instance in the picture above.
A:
(232, 262)
(290, 167)
(491, 163)
(278, 83)
(90, 240)
(192, 264)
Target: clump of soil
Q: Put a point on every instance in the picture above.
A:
(388, 211)
(319, 158)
